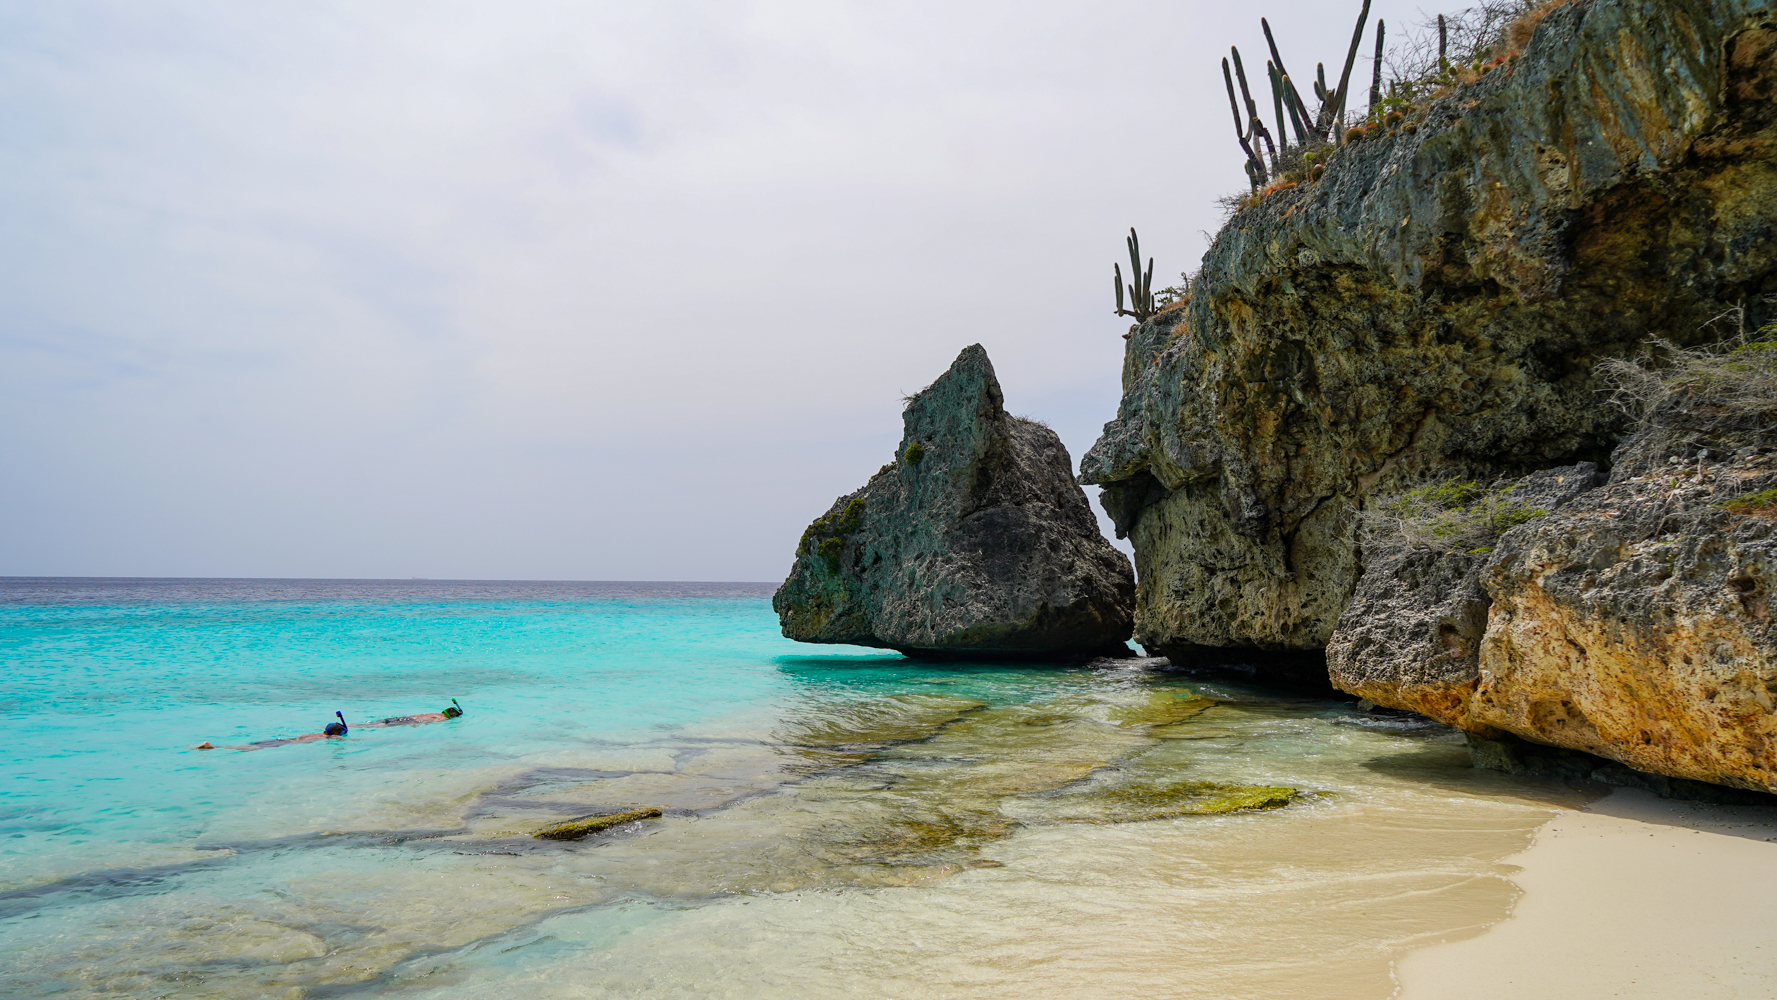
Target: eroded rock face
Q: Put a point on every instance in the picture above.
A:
(1436, 305)
(1412, 634)
(974, 542)
(1632, 623)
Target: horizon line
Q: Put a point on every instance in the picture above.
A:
(355, 579)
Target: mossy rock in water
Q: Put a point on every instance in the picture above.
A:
(1194, 798)
(877, 722)
(1162, 708)
(579, 827)
(1106, 803)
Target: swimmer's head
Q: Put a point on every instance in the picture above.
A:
(334, 729)
(453, 710)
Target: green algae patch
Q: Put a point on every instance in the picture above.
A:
(1105, 804)
(843, 735)
(877, 722)
(1162, 708)
(579, 827)
(1194, 798)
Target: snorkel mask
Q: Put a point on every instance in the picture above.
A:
(453, 711)
(337, 728)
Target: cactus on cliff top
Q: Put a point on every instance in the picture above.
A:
(1328, 124)
(1376, 75)
(1255, 167)
(1141, 290)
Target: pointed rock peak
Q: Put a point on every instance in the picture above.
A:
(968, 391)
(973, 542)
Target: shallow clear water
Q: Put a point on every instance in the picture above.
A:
(835, 820)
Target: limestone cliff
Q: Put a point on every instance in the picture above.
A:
(1631, 622)
(974, 541)
(1436, 305)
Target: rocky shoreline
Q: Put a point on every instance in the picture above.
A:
(1437, 308)
(1430, 322)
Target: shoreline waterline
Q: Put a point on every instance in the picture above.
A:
(1632, 895)
(832, 822)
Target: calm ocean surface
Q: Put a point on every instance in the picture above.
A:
(838, 821)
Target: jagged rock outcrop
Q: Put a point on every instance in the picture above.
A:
(1436, 305)
(975, 542)
(1411, 636)
(1632, 622)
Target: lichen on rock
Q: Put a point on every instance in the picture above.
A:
(976, 542)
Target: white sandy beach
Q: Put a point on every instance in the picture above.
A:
(1633, 896)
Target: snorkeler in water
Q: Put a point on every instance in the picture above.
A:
(338, 730)
(451, 711)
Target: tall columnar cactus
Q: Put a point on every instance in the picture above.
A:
(1376, 74)
(1255, 128)
(1283, 131)
(1344, 91)
(1255, 167)
(1291, 98)
(1141, 290)
(1327, 122)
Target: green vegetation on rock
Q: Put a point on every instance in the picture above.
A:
(1136, 802)
(915, 453)
(1764, 502)
(1195, 798)
(826, 536)
(1459, 515)
(579, 827)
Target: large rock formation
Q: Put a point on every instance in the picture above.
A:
(975, 542)
(1435, 305)
(1631, 622)
(1411, 636)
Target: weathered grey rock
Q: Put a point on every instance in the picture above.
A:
(1411, 636)
(1436, 305)
(1632, 623)
(974, 542)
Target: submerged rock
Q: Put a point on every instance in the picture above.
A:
(1135, 802)
(575, 829)
(974, 542)
(1435, 306)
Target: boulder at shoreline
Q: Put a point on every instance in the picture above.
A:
(974, 542)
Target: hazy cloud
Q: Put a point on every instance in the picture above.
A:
(550, 290)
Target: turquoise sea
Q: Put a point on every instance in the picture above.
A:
(836, 821)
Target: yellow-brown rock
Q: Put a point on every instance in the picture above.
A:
(1632, 622)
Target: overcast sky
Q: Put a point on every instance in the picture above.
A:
(530, 290)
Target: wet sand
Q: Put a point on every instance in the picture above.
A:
(1632, 896)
